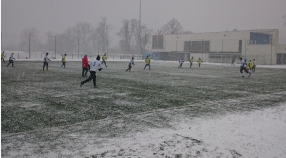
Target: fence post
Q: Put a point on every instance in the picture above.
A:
(72, 56)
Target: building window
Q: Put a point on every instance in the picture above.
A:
(157, 42)
(197, 46)
(260, 38)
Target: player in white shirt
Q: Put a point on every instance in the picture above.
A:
(131, 62)
(46, 59)
(181, 63)
(243, 68)
(94, 66)
(11, 60)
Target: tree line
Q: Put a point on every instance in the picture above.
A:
(85, 38)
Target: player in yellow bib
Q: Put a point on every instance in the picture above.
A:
(64, 60)
(2, 57)
(191, 62)
(250, 64)
(104, 59)
(147, 61)
(199, 61)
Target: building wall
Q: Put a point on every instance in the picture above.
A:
(227, 42)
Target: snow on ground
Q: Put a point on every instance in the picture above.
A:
(259, 133)
(185, 131)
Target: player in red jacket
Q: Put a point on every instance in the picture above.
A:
(85, 65)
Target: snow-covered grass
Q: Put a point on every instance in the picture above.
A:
(166, 112)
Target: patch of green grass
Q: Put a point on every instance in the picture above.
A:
(60, 101)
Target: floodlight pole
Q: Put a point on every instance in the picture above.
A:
(55, 47)
(78, 48)
(271, 48)
(107, 48)
(140, 29)
(29, 46)
(245, 49)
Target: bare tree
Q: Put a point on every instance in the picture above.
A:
(103, 29)
(187, 32)
(143, 33)
(29, 37)
(83, 31)
(126, 33)
(50, 42)
(172, 27)
(68, 41)
(160, 32)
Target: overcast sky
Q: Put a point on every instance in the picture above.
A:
(194, 15)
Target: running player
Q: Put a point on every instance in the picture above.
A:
(181, 63)
(94, 66)
(199, 61)
(147, 61)
(64, 60)
(243, 68)
(46, 59)
(191, 62)
(104, 59)
(11, 60)
(131, 62)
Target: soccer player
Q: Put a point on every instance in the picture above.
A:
(85, 65)
(104, 59)
(64, 60)
(131, 62)
(254, 65)
(181, 63)
(243, 68)
(199, 61)
(2, 57)
(11, 60)
(247, 67)
(232, 62)
(147, 61)
(191, 62)
(250, 65)
(46, 59)
(94, 66)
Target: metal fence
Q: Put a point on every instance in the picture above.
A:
(214, 50)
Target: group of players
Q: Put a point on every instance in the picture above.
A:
(247, 66)
(11, 59)
(95, 65)
(191, 62)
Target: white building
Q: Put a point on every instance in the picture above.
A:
(262, 45)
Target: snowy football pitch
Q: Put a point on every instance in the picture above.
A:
(47, 114)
